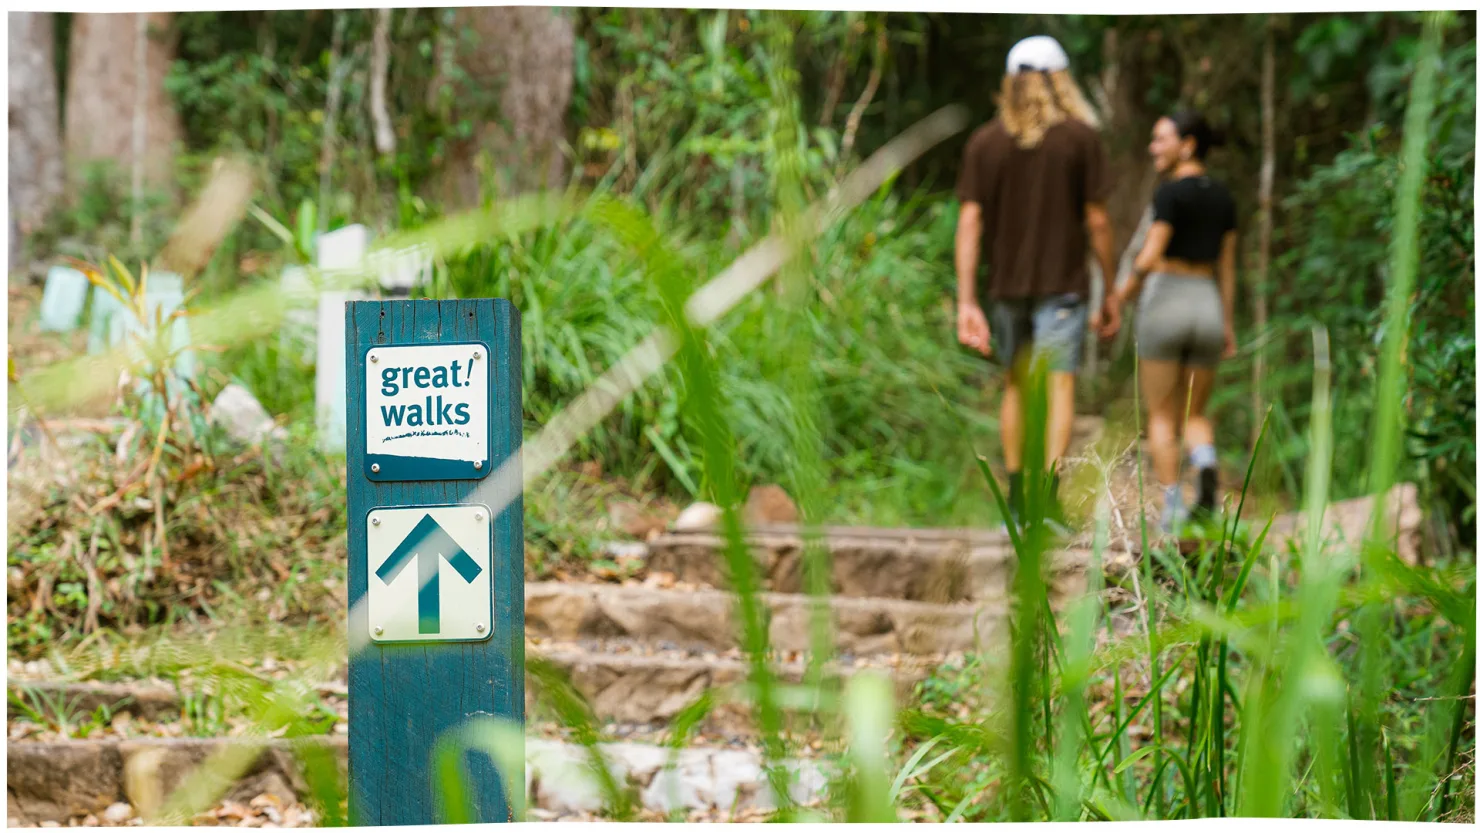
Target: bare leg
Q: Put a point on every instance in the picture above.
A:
(1199, 437)
(1011, 425)
(1060, 416)
(1199, 428)
(1161, 387)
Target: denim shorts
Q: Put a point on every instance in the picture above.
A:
(1053, 326)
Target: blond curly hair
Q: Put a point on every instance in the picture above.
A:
(1032, 102)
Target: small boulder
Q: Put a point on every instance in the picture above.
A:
(118, 813)
(697, 516)
(268, 783)
(768, 505)
(634, 520)
(242, 417)
(629, 550)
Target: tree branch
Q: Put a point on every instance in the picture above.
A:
(875, 75)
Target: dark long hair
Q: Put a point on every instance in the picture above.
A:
(1193, 125)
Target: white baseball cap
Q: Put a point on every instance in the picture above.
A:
(1039, 53)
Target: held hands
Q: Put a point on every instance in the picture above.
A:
(1106, 322)
(972, 329)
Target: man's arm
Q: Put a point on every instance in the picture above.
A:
(968, 252)
(1097, 187)
(1102, 241)
(1101, 237)
(971, 322)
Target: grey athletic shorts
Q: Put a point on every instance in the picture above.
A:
(1180, 319)
(1054, 325)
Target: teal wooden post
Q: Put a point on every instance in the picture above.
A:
(436, 586)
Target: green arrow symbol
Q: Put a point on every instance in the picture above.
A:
(427, 543)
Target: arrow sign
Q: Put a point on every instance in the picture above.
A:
(427, 544)
(461, 609)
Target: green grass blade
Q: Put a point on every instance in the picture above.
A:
(909, 770)
(868, 702)
(572, 711)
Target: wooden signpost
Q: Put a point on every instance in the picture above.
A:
(436, 575)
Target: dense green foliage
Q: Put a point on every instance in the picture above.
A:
(677, 110)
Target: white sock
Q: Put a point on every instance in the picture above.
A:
(1204, 456)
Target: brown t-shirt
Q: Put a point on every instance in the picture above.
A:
(1034, 241)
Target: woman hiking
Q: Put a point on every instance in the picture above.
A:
(1184, 324)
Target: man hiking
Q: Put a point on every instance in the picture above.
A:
(1033, 190)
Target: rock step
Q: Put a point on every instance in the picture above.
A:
(705, 619)
(60, 780)
(652, 688)
(625, 684)
(951, 565)
(930, 565)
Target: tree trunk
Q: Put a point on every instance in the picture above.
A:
(102, 79)
(35, 130)
(329, 142)
(1122, 125)
(1115, 95)
(380, 61)
(1266, 227)
(523, 57)
(138, 135)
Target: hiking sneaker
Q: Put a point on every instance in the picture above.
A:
(1013, 522)
(1207, 490)
(1173, 518)
(1174, 513)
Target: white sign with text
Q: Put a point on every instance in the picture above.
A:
(427, 411)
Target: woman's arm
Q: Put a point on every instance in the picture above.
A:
(1149, 258)
(1226, 271)
(1226, 274)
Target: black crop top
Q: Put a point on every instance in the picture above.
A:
(1200, 211)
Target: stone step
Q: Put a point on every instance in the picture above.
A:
(629, 685)
(953, 565)
(650, 688)
(57, 781)
(571, 612)
(929, 565)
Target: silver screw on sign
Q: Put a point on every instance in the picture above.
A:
(479, 627)
(477, 464)
(379, 630)
(375, 522)
(477, 354)
(375, 467)
(374, 358)
(477, 516)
